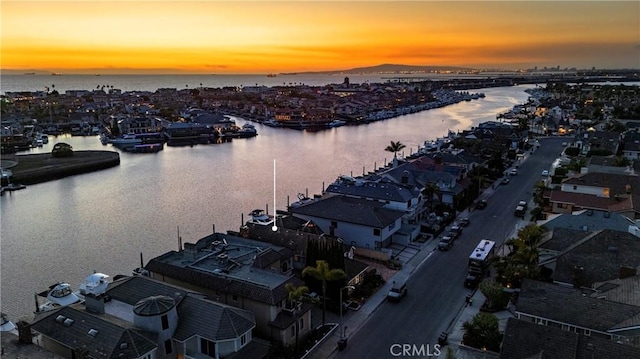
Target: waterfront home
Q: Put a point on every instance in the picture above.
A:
(393, 195)
(243, 273)
(139, 317)
(359, 222)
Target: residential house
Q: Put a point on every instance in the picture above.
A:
(526, 340)
(359, 222)
(243, 273)
(575, 311)
(596, 257)
(631, 145)
(609, 192)
(139, 317)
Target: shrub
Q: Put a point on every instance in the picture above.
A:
(62, 149)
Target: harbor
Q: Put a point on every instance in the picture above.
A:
(105, 219)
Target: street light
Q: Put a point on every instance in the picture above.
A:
(350, 287)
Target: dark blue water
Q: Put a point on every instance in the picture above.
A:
(63, 230)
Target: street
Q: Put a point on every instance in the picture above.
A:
(435, 290)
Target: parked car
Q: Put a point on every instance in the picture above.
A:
(513, 172)
(445, 243)
(455, 231)
(523, 204)
(505, 180)
(481, 204)
(464, 222)
(545, 173)
(397, 292)
(520, 211)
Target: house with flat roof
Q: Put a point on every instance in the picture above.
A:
(139, 317)
(574, 310)
(359, 222)
(243, 273)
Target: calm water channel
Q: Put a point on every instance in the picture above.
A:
(63, 230)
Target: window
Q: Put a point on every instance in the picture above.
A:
(293, 331)
(167, 346)
(587, 332)
(243, 339)
(235, 298)
(165, 322)
(376, 231)
(207, 347)
(301, 323)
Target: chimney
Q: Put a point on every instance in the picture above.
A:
(94, 304)
(628, 188)
(405, 177)
(626, 272)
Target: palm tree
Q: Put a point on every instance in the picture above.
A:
(323, 273)
(430, 190)
(294, 294)
(395, 147)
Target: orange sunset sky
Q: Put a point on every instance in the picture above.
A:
(237, 37)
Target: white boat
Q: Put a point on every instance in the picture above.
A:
(126, 140)
(95, 284)
(258, 216)
(337, 123)
(271, 123)
(5, 324)
(59, 295)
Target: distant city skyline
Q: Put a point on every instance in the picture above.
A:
(252, 37)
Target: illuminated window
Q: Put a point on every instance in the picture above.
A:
(605, 192)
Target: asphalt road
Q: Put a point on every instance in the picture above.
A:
(436, 291)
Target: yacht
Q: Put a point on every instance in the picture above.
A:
(95, 284)
(258, 216)
(337, 123)
(247, 130)
(58, 295)
(126, 140)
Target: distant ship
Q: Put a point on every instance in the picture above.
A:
(56, 74)
(29, 73)
(271, 75)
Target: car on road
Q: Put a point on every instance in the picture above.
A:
(513, 172)
(472, 280)
(445, 243)
(397, 292)
(505, 180)
(564, 144)
(545, 173)
(464, 222)
(523, 204)
(481, 204)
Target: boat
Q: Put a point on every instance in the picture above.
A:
(271, 123)
(95, 284)
(258, 216)
(272, 75)
(247, 130)
(58, 295)
(5, 324)
(337, 123)
(126, 140)
(61, 294)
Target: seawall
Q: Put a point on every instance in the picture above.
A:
(37, 168)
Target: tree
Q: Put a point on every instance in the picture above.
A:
(294, 296)
(62, 149)
(482, 332)
(430, 190)
(497, 299)
(395, 147)
(323, 273)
